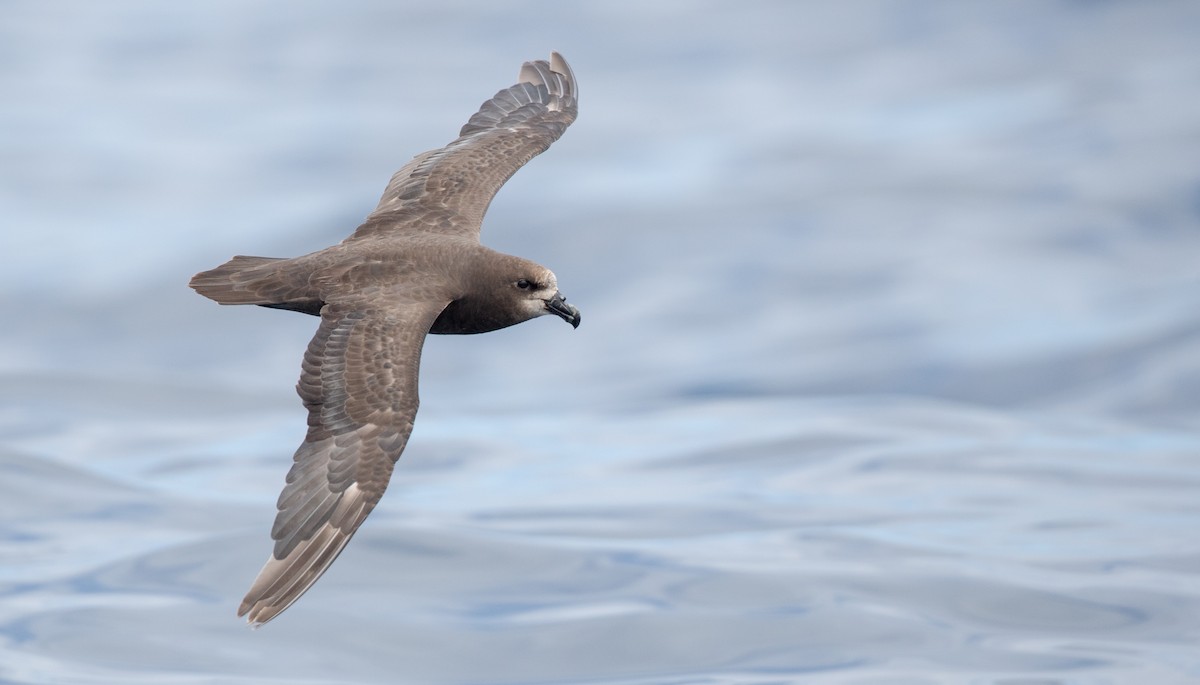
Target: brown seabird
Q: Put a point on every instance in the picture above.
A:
(415, 266)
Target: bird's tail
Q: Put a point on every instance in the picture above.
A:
(237, 281)
(257, 280)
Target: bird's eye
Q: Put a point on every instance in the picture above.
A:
(524, 284)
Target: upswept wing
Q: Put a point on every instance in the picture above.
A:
(449, 189)
(359, 382)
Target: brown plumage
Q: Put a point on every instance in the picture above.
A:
(415, 266)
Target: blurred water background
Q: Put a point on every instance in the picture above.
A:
(889, 369)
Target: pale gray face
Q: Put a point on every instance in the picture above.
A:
(538, 295)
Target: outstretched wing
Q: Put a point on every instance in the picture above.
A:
(359, 382)
(449, 189)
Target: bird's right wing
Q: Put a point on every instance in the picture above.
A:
(448, 190)
(359, 382)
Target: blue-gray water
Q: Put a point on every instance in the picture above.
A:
(889, 369)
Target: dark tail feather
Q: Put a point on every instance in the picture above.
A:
(238, 281)
(258, 280)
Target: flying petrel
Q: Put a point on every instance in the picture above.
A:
(415, 266)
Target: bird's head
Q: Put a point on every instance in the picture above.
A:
(535, 290)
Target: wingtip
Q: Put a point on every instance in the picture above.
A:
(259, 614)
(248, 611)
(530, 72)
(559, 65)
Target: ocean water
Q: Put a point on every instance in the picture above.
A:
(889, 370)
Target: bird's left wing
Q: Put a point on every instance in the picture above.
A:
(359, 382)
(448, 190)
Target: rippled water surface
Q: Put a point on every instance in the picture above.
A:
(889, 371)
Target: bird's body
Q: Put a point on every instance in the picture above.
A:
(415, 266)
